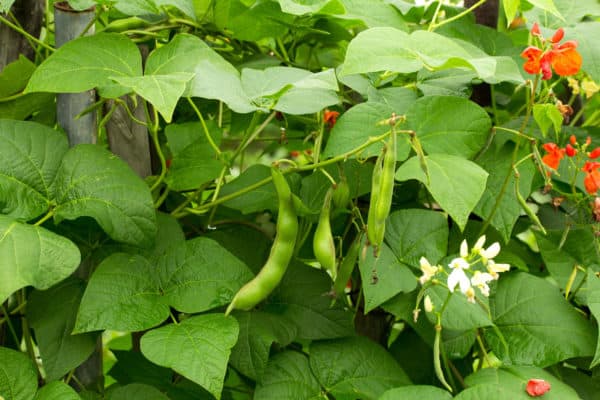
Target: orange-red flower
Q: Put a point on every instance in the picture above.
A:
(570, 150)
(563, 58)
(592, 177)
(553, 156)
(537, 387)
(330, 117)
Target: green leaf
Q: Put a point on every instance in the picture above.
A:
(510, 9)
(5, 5)
(578, 248)
(252, 21)
(123, 294)
(18, 376)
(459, 314)
(547, 5)
(258, 331)
(448, 82)
(42, 105)
(14, 76)
(414, 233)
(86, 63)
(31, 154)
(389, 49)
(162, 91)
(416, 392)
(194, 166)
(302, 298)
(52, 314)
(357, 125)
(199, 275)
(380, 13)
(95, 183)
(383, 277)
(56, 390)
(185, 6)
(197, 348)
(510, 382)
(259, 199)
(456, 184)
(459, 127)
(399, 99)
(355, 368)
(593, 302)
(499, 202)
(585, 34)
(547, 115)
(301, 7)
(136, 391)
(290, 90)
(137, 7)
(192, 276)
(32, 255)
(288, 375)
(538, 325)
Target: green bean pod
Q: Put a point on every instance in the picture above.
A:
(372, 231)
(386, 190)
(282, 250)
(323, 245)
(341, 194)
(347, 266)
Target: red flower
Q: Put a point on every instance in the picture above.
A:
(537, 387)
(592, 177)
(594, 153)
(555, 154)
(570, 150)
(563, 58)
(330, 117)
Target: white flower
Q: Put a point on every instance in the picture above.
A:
(464, 249)
(479, 244)
(458, 277)
(428, 270)
(459, 263)
(490, 252)
(470, 295)
(428, 304)
(480, 280)
(494, 269)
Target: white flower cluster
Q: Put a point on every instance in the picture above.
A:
(461, 267)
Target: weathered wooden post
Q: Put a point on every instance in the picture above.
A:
(69, 25)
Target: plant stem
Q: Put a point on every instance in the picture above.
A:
(205, 128)
(342, 157)
(26, 34)
(153, 128)
(433, 25)
(45, 218)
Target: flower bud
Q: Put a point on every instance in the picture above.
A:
(537, 387)
(573, 139)
(595, 153)
(570, 150)
(535, 30)
(558, 35)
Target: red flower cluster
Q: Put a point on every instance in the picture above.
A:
(537, 387)
(330, 117)
(555, 154)
(563, 58)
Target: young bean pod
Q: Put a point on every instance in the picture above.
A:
(372, 232)
(282, 250)
(347, 266)
(323, 245)
(379, 208)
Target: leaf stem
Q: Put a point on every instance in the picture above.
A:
(45, 218)
(153, 128)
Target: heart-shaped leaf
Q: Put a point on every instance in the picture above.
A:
(32, 255)
(197, 348)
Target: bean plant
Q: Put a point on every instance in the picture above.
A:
(375, 200)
